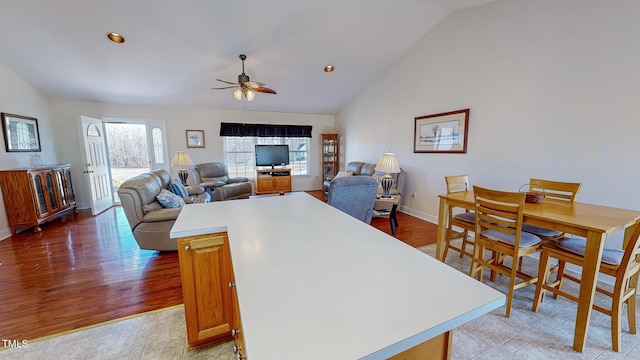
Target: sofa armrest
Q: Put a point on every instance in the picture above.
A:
(197, 194)
(325, 186)
(161, 215)
(194, 189)
(237, 180)
(199, 198)
(211, 184)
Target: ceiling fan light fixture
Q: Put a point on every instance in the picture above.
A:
(244, 86)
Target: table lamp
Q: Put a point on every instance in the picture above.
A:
(387, 164)
(181, 159)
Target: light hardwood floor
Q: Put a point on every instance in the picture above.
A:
(83, 270)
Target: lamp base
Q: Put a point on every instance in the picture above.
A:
(386, 182)
(183, 175)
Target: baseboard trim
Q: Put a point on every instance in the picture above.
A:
(419, 214)
(5, 233)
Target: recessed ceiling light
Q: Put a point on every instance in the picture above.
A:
(329, 68)
(115, 37)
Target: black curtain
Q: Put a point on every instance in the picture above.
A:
(264, 130)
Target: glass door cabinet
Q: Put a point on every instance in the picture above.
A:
(330, 154)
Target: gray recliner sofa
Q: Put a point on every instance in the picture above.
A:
(214, 178)
(359, 168)
(150, 222)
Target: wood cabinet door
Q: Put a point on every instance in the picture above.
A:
(50, 193)
(40, 191)
(205, 266)
(69, 186)
(283, 182)
(264, 183)
(60, 188)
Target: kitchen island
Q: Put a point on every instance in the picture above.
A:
(315, 283)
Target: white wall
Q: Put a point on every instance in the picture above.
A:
(553, 90)
(179, 119)
(20, 98)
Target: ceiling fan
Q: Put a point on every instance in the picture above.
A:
(245, 87)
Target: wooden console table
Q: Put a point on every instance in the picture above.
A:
(273, 181)
(313, 282)
(33, 196)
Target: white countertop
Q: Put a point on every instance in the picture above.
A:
(315, 283)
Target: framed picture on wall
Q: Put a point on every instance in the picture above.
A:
(195, 138)
(441, 133)
(20, 133)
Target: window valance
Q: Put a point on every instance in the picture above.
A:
(264, 130)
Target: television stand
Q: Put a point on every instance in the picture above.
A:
(273, 181)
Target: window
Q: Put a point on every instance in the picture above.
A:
(240, 156)
(158, 149)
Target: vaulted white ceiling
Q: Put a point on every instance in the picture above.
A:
(175, 50)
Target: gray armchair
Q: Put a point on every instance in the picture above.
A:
(354, 195)
(214, 177)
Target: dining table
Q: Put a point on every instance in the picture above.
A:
(593, 222)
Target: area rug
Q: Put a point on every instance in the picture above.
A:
(159, 334)
(546, 334)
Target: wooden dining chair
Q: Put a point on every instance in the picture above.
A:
(465, 220)
(499, 230)
(565, 191)
(621, 264)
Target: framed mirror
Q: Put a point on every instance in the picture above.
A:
(20, 133)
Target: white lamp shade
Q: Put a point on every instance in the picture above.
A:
(388, 163)
(237, 94)
(251, 95)
(181, 158)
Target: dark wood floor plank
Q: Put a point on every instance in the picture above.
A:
(83, 270)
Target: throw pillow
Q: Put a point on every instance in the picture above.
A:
(169, 200)
(342, 174)
(179, 189)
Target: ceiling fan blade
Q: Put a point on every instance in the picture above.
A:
(257, 86)
(265, 90)
(252, 84)
(226, 87)
(228, 82)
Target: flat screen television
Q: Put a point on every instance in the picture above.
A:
(272, 155)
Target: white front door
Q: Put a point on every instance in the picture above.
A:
(96, 167)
